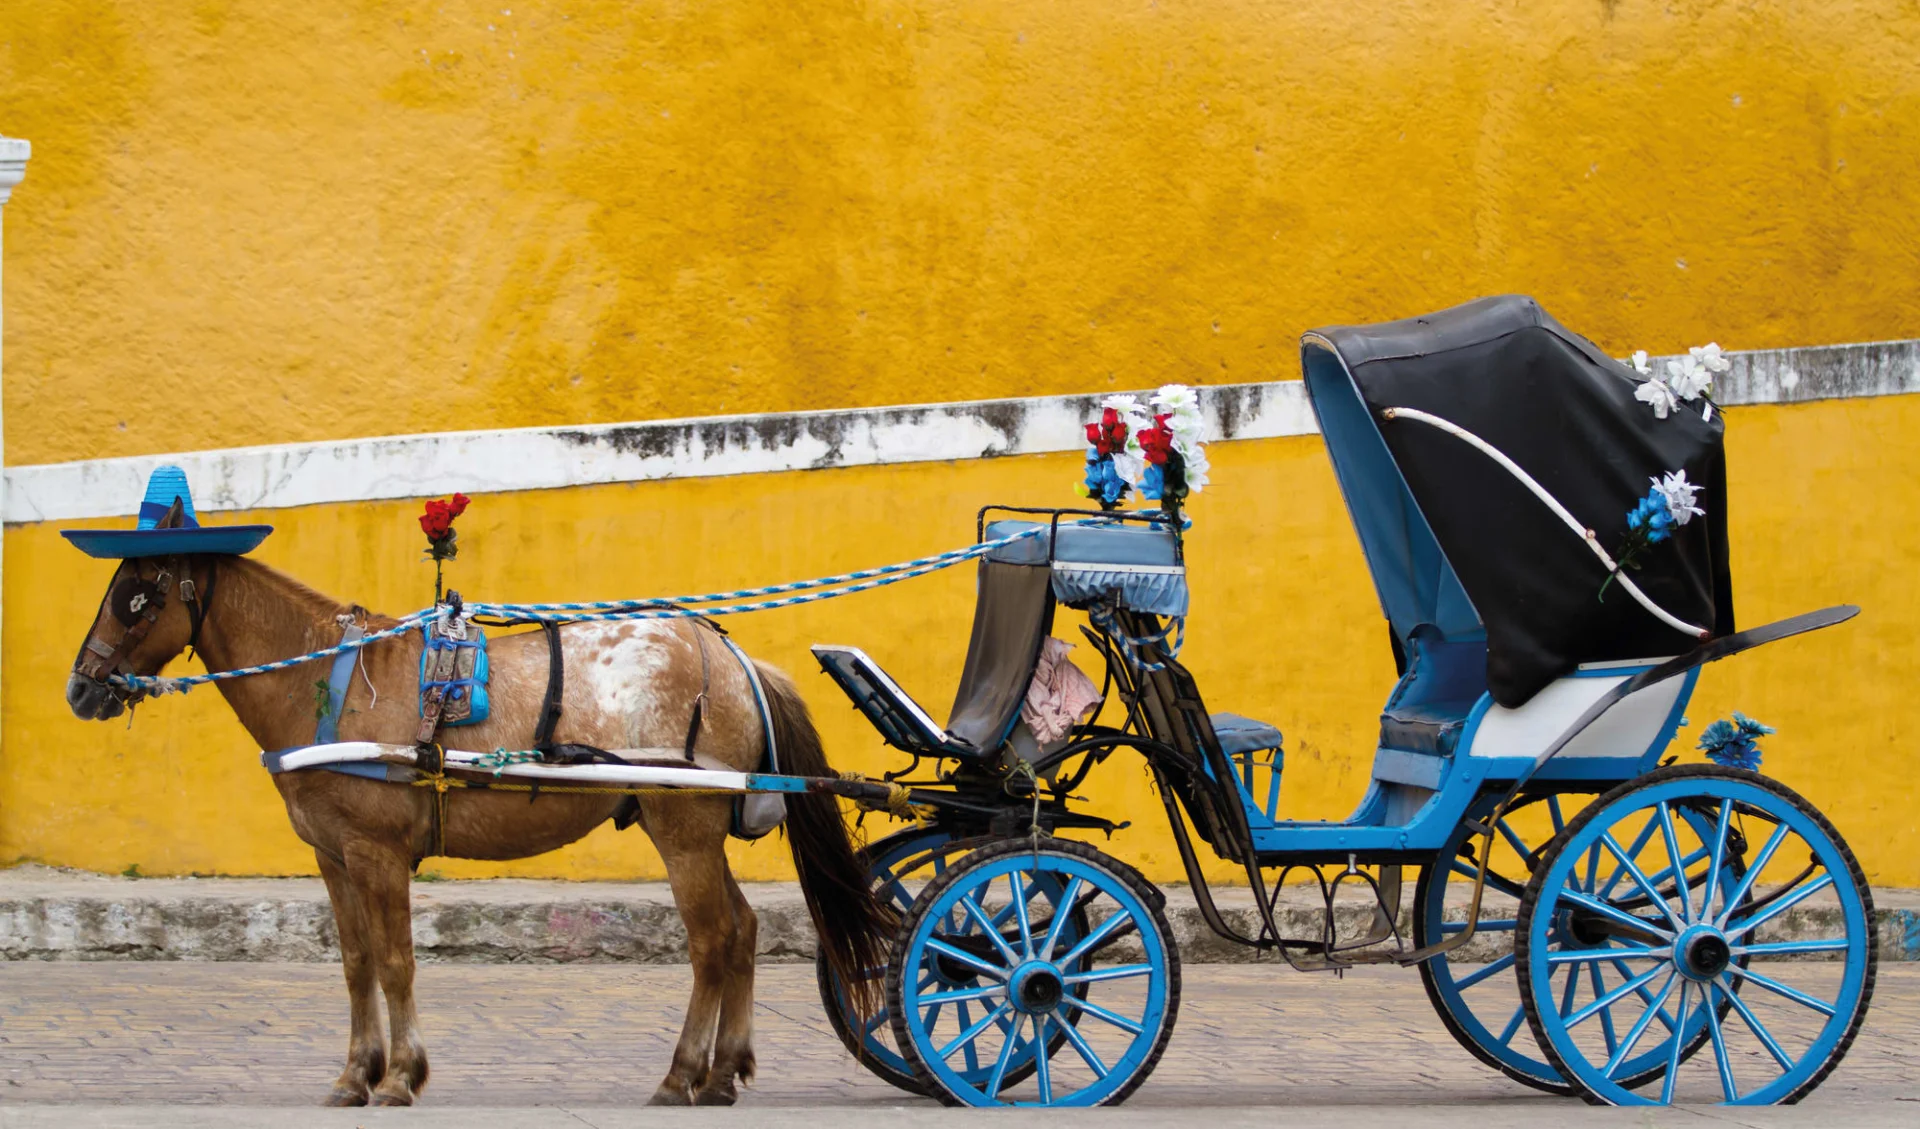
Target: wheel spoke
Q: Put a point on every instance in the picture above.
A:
(971, 1050)
(1639, 1028)
(1781, 948)
(1493, 969)
(875, 1021)
(1020, 914)
(1612, 956)
(966, 958)
(896, 892)
(1062, 913)
(958, 994)
(1639, 844)
(1559, 821)
(1108, 927)
(1781, 990)
(1608, 910)
(1495, 881)
(1000, 1064)
(1679, 1046)
(1780, 906)
(1606, 1016)
(1607, 1001)
(1117, 972)
(1593, 868)
(1720, 1059)
(1646, 887)
(1513, 1024)
(988, 927)
(1753, 871)
(1653, 1005)
(1754, 1025)
(1566, 994)
(1087, 1055)
(1042, 1070)
(966, 1037)
(1681, 887)
(1103, 1015)
(1718, 860)
(1513, 839)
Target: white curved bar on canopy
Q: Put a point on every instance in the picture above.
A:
(1559, 511)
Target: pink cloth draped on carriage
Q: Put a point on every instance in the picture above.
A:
(1059, 695)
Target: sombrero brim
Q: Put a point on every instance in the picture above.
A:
(125, 544)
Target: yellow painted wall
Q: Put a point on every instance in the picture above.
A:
(322, 220)
(272, 221)
(1284, 627)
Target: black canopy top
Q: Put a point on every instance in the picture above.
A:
(1458, 543)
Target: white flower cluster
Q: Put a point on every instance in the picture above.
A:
(1181, 405)
(1688, 378)
(1679, 495)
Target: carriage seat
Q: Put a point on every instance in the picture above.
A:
(1239, 735)
(1428, 710)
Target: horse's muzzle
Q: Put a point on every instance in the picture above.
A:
(93, 700)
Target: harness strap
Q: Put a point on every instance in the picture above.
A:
(760, 700)
(699, 702)
(327, 730)
(199, 604)
(556, 689)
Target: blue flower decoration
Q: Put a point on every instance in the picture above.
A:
(1651, 518)
(1102, 480)
(1152, 482)
(1733, 744)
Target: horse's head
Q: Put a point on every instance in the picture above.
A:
(152, 612)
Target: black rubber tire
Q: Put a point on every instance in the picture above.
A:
(1657, 776)
(1149, 896)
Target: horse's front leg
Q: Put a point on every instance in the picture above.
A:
(380, 875)
(366, 1047)
(691, 839)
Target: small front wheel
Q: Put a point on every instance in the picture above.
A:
(1685, 877)
(993, 937)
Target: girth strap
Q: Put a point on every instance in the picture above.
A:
(556, 689)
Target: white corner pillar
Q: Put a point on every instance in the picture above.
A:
(13, 166)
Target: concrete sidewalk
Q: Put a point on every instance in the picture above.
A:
(48, 914)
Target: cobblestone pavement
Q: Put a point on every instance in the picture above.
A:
(600, 1036)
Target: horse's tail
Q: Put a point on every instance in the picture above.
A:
(856, 930)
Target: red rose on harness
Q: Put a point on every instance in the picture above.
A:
(437, 522)
(1156, 441)
(1109, 436)
(458, 506)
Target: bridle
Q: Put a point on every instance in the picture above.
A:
(136, 603)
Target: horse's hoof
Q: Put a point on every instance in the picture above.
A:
(345, 1097)
(667, 1095)
(716, 1097)
(392, 1097)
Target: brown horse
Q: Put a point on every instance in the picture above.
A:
(627, 685)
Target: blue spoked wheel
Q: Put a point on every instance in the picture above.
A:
(992, 933)
(899, 866)
(1475, 989)
(1780, 1011)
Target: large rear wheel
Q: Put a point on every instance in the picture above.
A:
(1780, 1007)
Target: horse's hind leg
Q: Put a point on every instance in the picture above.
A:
(733, 1046)
(366, 1048)
(691, 842)
(380, 876)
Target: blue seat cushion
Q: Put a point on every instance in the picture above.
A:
(1243, 734)
(1426, 727)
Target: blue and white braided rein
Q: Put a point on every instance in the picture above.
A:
(609, 610)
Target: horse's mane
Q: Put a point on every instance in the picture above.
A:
(306, 601)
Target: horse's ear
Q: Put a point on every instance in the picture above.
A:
(176, 516)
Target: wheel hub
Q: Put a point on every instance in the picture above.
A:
(1702, 953)
(1037, 988)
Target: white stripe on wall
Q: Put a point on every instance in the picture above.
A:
(411, 466)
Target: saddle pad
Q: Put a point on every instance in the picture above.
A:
(460, 667)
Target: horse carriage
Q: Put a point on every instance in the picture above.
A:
(1586, 917)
